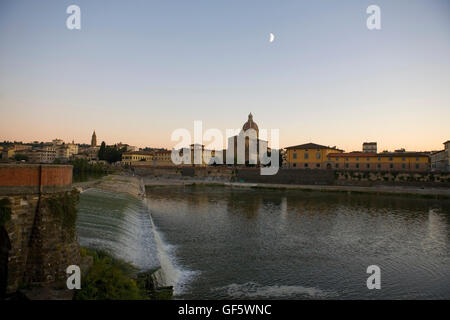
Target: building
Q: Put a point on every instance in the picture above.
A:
(10, 151)
(440, 160)
(42, 155)
(250, 134)
(94, 140)
(127, 147)
(57, 142)
(369, 147)
(137, 157)
(66, 151)
(162, 158)
(309, 156)
(385, 161)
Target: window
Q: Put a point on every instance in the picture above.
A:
(368, 159)
(306, 155)
(337, 159)
(379, 166)
(295, 165)
(318, 165)
(403, 159)
(346, 158)
(337, 165)
(346, 165)
(306, 165)
(379, 158)
(357, 165)
(390, 158)
(318, 155)
(368, 166)
(294, 155)
(417, 159)
(391, 166)
(403, 166)
(357, 158)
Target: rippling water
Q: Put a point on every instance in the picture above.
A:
(294, 244)
(219, 242)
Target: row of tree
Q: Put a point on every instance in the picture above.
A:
(110, 153)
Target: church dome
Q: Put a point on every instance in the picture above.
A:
(250, 124)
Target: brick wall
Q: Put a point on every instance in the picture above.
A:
(31, 179)
(42, 246)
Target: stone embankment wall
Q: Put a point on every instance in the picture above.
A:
(411, 179)
(223, 173)
(41, 208)
(301, 176)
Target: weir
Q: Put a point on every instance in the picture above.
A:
(167, 274)
(122, 225)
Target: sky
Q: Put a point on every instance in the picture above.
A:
(138, 70)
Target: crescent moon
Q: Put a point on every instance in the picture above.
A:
(272, 37)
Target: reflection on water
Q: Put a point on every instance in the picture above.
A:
(292, 244)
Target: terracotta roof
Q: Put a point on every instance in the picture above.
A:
(311, 146)
(382, 154)
(250, 124)
(353, 154)
(148, 153)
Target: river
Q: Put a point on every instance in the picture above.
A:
(240, 243)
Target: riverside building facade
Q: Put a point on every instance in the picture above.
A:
(309, 156)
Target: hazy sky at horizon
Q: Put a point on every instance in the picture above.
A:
(137, 70)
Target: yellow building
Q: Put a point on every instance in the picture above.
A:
(162, 158)
(385, 161)
(158, 158)
(309, 156)
(136, 157)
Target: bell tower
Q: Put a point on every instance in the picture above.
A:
(94, 140)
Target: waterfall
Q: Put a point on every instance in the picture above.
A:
(168, 274)
(123, 226)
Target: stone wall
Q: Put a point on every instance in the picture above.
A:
(286, 176)
(42, 223)
(304, 176)
(178, 172)
(412, 179)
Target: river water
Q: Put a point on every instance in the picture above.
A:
(220, 242)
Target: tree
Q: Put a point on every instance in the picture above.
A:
(101, 151)
(20, 157)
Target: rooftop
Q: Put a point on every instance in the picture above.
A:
(311, 145)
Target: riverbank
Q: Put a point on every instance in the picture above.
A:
(134, 186)
(385, 190)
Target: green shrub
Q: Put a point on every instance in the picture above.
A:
(109, 279)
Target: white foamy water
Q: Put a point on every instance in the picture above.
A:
(170, 274)
(256, 290)
(123, 226)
